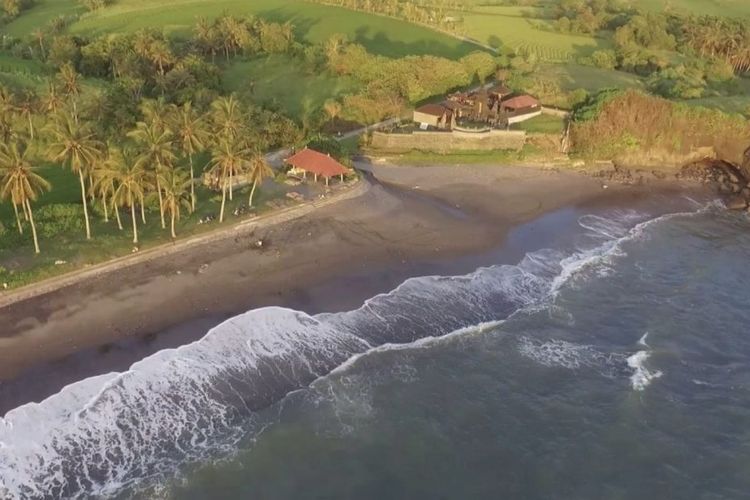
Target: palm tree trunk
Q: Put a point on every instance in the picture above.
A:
(33, 227)
(106, 209)
(223, 200)
(174, 236)
(161, 203)
(135, 222)
(18, 219)
(231, 184)
(143, 211)
(85, 205)
(252, 192)
(192, 184)
(117, 216)
(31, 127)
(25, 212)
(75, 111)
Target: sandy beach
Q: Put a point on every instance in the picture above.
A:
(331, 259)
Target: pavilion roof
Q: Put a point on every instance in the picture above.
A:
(316, 163)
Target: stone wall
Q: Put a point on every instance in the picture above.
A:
(443, 142)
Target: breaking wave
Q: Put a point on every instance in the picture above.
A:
(180, 406)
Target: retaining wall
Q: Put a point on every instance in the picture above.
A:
(440, 142)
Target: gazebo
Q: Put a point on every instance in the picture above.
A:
(318, 164)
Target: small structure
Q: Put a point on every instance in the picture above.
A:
(433, 115)
(520, 108)
(318, 164)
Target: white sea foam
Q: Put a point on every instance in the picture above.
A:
(642, 340)
(641, 377)
(181, 405)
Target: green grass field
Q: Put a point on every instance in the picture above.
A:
(728, 8)
(544, 124)
(313, 22)
(16, 72)
(279, 81)
(573, 76)
(521, 29)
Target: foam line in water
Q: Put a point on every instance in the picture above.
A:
(196, 402)
(642, 376)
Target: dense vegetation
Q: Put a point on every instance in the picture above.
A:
(615, 123)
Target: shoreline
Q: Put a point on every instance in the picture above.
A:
(403, 224)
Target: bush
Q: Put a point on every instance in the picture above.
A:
(53, 220)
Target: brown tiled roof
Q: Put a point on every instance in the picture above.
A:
(520, 101)
(316, 163)
(432, 109)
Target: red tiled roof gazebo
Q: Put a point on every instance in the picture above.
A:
(318, 164)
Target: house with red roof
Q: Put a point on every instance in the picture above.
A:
(520, 107)
(316, 163)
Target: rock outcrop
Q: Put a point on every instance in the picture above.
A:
(731, 180)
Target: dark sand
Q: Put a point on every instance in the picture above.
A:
(413, 221)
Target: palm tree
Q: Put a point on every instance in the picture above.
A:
(175, 184)
(77, 146)
(104, 186)
(132, 181)
(156, 153)
(227, 160)
(25, 107)
(227, 116)
(191, 137)
(71, 87)
(257, 171)
(161, 55)
(20, 183)
(39, 35)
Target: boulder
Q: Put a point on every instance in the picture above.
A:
(736, 202)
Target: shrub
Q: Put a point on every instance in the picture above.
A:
(53, 220)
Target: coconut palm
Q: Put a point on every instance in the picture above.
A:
(228, 160)
(257, 171)
(176, 187)
(105, 178)
(39, 35)
(228, 117)
(25, 107)
(155, 144)
(75, 145)
(20, 184)
(131, 180)
(190, 137)
(70, 85)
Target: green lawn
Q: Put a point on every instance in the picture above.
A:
(727, 8)
(313, 22)
(544, 124)
(280, 80)
(573, 76)
(518, 28)
(17, 72)
(41, 13)
(19, 265)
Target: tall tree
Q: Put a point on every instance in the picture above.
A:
(132, 182)
(227, 160)
(69, 81)
(191, 137)
(76, 145)
(20, 183)
(176, 187)
(257, 171)
(155, 144)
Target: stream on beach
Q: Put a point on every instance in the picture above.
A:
(601, 353)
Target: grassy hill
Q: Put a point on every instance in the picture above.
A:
(728, 8)
(313, 22)
(523, 30)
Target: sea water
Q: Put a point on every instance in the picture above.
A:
(613, 363)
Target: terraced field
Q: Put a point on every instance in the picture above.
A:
(313, 22)
(523, 30)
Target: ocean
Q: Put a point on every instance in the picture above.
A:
(611, 360)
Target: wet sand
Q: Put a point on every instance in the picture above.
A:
(412, 221)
